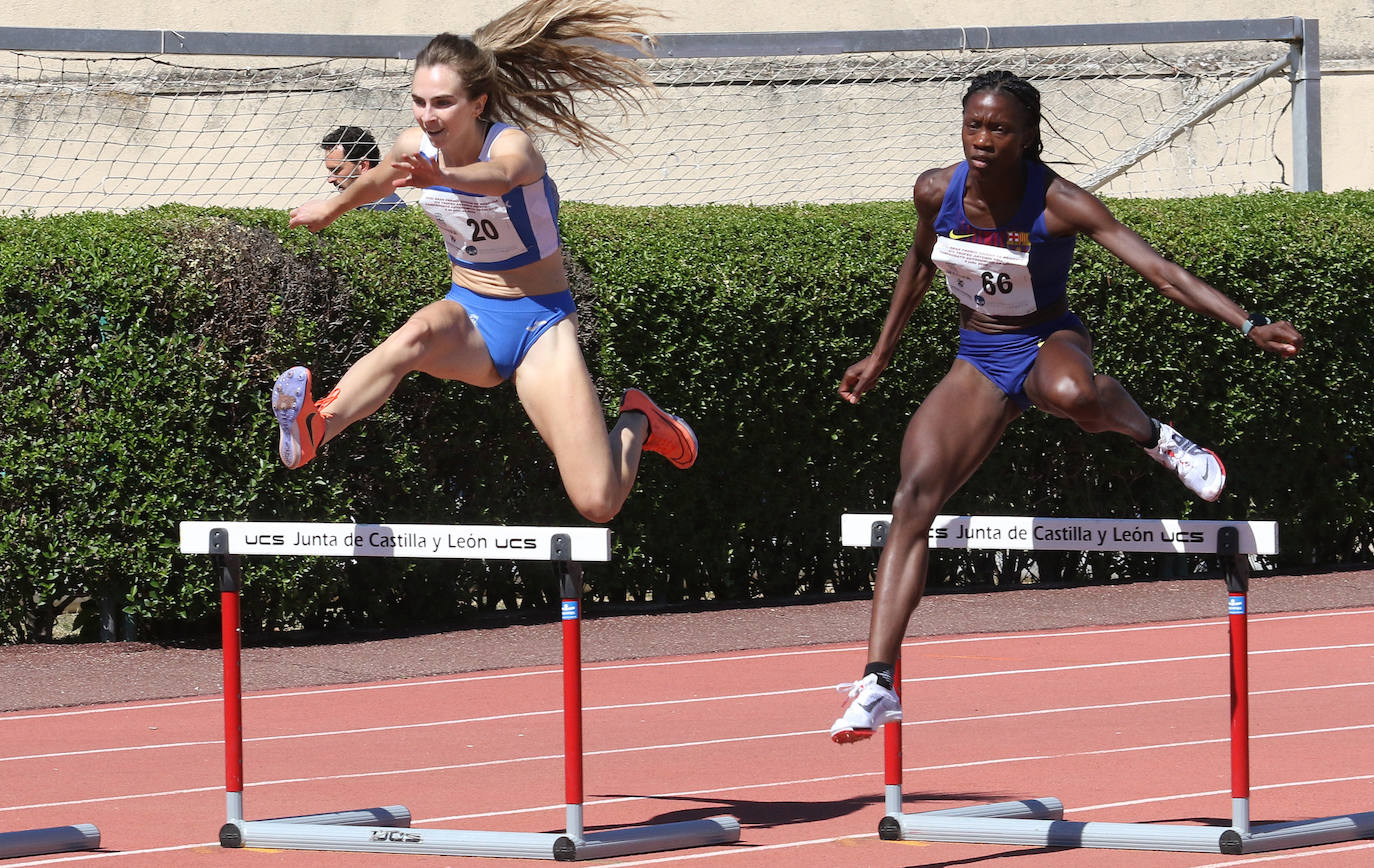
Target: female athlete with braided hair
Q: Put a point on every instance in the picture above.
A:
(509, 313)
(1001, 225)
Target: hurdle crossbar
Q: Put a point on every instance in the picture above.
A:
(388, 829)
(1040, 822)
(44, 842)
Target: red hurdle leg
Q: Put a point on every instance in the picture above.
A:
(892, 750)
(570, 583)
(231, 632)
(1240, 714)
(1235, 568)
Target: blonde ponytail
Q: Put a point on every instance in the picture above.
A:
(533, 61)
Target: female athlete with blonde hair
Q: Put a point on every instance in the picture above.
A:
(509, 313)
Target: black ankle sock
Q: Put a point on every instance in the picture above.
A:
(1154, 435)
(883, 671)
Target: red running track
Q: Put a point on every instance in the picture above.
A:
(1123, 724)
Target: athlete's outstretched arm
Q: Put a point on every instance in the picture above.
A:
(512, 162)
(913, 281)
(1084, 213)
(370, 186)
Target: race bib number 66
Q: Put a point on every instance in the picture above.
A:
(993, 280)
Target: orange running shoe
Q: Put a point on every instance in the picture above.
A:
(669, 435)
(302, 424)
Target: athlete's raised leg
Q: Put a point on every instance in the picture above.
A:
(598, 470)
(438, 339)
(1062, 382)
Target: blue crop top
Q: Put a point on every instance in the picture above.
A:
(494, 233)
(1012, 270)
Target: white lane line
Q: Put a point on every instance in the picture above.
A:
(1283, 857)
(700, 699)
(108, 854)
(558, 757)
(728, 658)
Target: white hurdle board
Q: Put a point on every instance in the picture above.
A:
(348, 540)
(1195, 536)
(1040, 822)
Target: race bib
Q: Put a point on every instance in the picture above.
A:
(475, 228)
(993, 280)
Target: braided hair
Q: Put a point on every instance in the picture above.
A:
(1003, 81)
(533, 61)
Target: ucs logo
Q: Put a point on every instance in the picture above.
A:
(265, 539)
(395, 836)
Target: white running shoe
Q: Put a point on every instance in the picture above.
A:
(1200, 469)
(873, 705)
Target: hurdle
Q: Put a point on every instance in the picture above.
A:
(44, 842)
(387, 829)
(1040, 822)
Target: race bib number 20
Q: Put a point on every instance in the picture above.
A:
(476, 229)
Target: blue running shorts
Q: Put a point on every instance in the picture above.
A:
(1007, 358)
(510, 326)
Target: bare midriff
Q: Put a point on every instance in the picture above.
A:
(538, 278)
(991, 325)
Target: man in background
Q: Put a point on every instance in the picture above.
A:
(348, 152)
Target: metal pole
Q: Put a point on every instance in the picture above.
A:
(1235, 569)
(892, 753)
(230, 583)
(570, 590)
(1307, 108)
(1240, 716)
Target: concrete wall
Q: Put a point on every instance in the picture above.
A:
(1348, 25)
(1347, 34)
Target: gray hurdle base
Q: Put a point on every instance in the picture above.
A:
(55, 839)
(387, 829)
(1039, 822)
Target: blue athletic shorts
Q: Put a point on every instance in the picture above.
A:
(510, 326)
(1007, 358)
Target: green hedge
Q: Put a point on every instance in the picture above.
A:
(137, 352)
